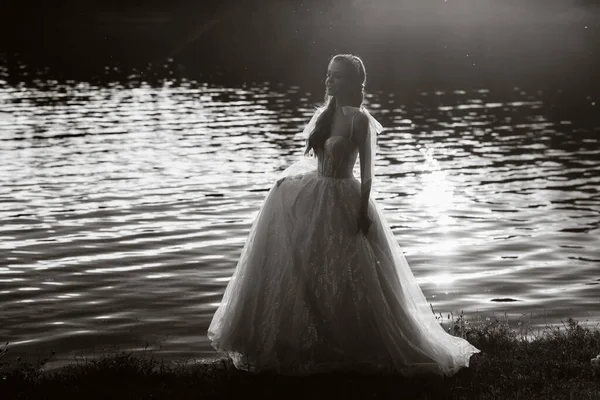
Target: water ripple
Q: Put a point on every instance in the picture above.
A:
(124, 209)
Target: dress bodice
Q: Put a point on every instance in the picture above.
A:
(338, 157)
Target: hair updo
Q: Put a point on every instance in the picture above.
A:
(356, 78)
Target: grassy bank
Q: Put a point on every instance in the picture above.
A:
(554, 364)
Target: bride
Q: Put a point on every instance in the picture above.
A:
(322, 284)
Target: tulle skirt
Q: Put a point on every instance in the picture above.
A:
(311, 294)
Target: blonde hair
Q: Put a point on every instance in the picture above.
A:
(358, 80)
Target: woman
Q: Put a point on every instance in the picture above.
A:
(322, 284)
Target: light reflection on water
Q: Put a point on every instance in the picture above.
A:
(124, 209)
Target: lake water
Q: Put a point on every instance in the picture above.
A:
(124, 208)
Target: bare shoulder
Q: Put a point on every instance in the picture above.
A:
(361, 127)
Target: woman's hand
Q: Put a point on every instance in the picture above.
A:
(364, 222)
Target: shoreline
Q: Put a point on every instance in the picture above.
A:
(557, 364)
(528, 328)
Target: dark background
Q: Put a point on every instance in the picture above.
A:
(425, 44)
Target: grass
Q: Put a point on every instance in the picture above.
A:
(553, 364)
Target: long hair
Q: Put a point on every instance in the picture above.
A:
(356, 79)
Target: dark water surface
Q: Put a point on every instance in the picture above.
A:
(124, 208)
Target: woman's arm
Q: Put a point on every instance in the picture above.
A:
(361, 137)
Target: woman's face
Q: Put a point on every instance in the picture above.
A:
(336, 82)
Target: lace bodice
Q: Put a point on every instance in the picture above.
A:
(340, 151)
(338, 157)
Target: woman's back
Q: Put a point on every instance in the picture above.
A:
(339, 150)
(338, 157)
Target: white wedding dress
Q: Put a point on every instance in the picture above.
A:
(310, 294)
